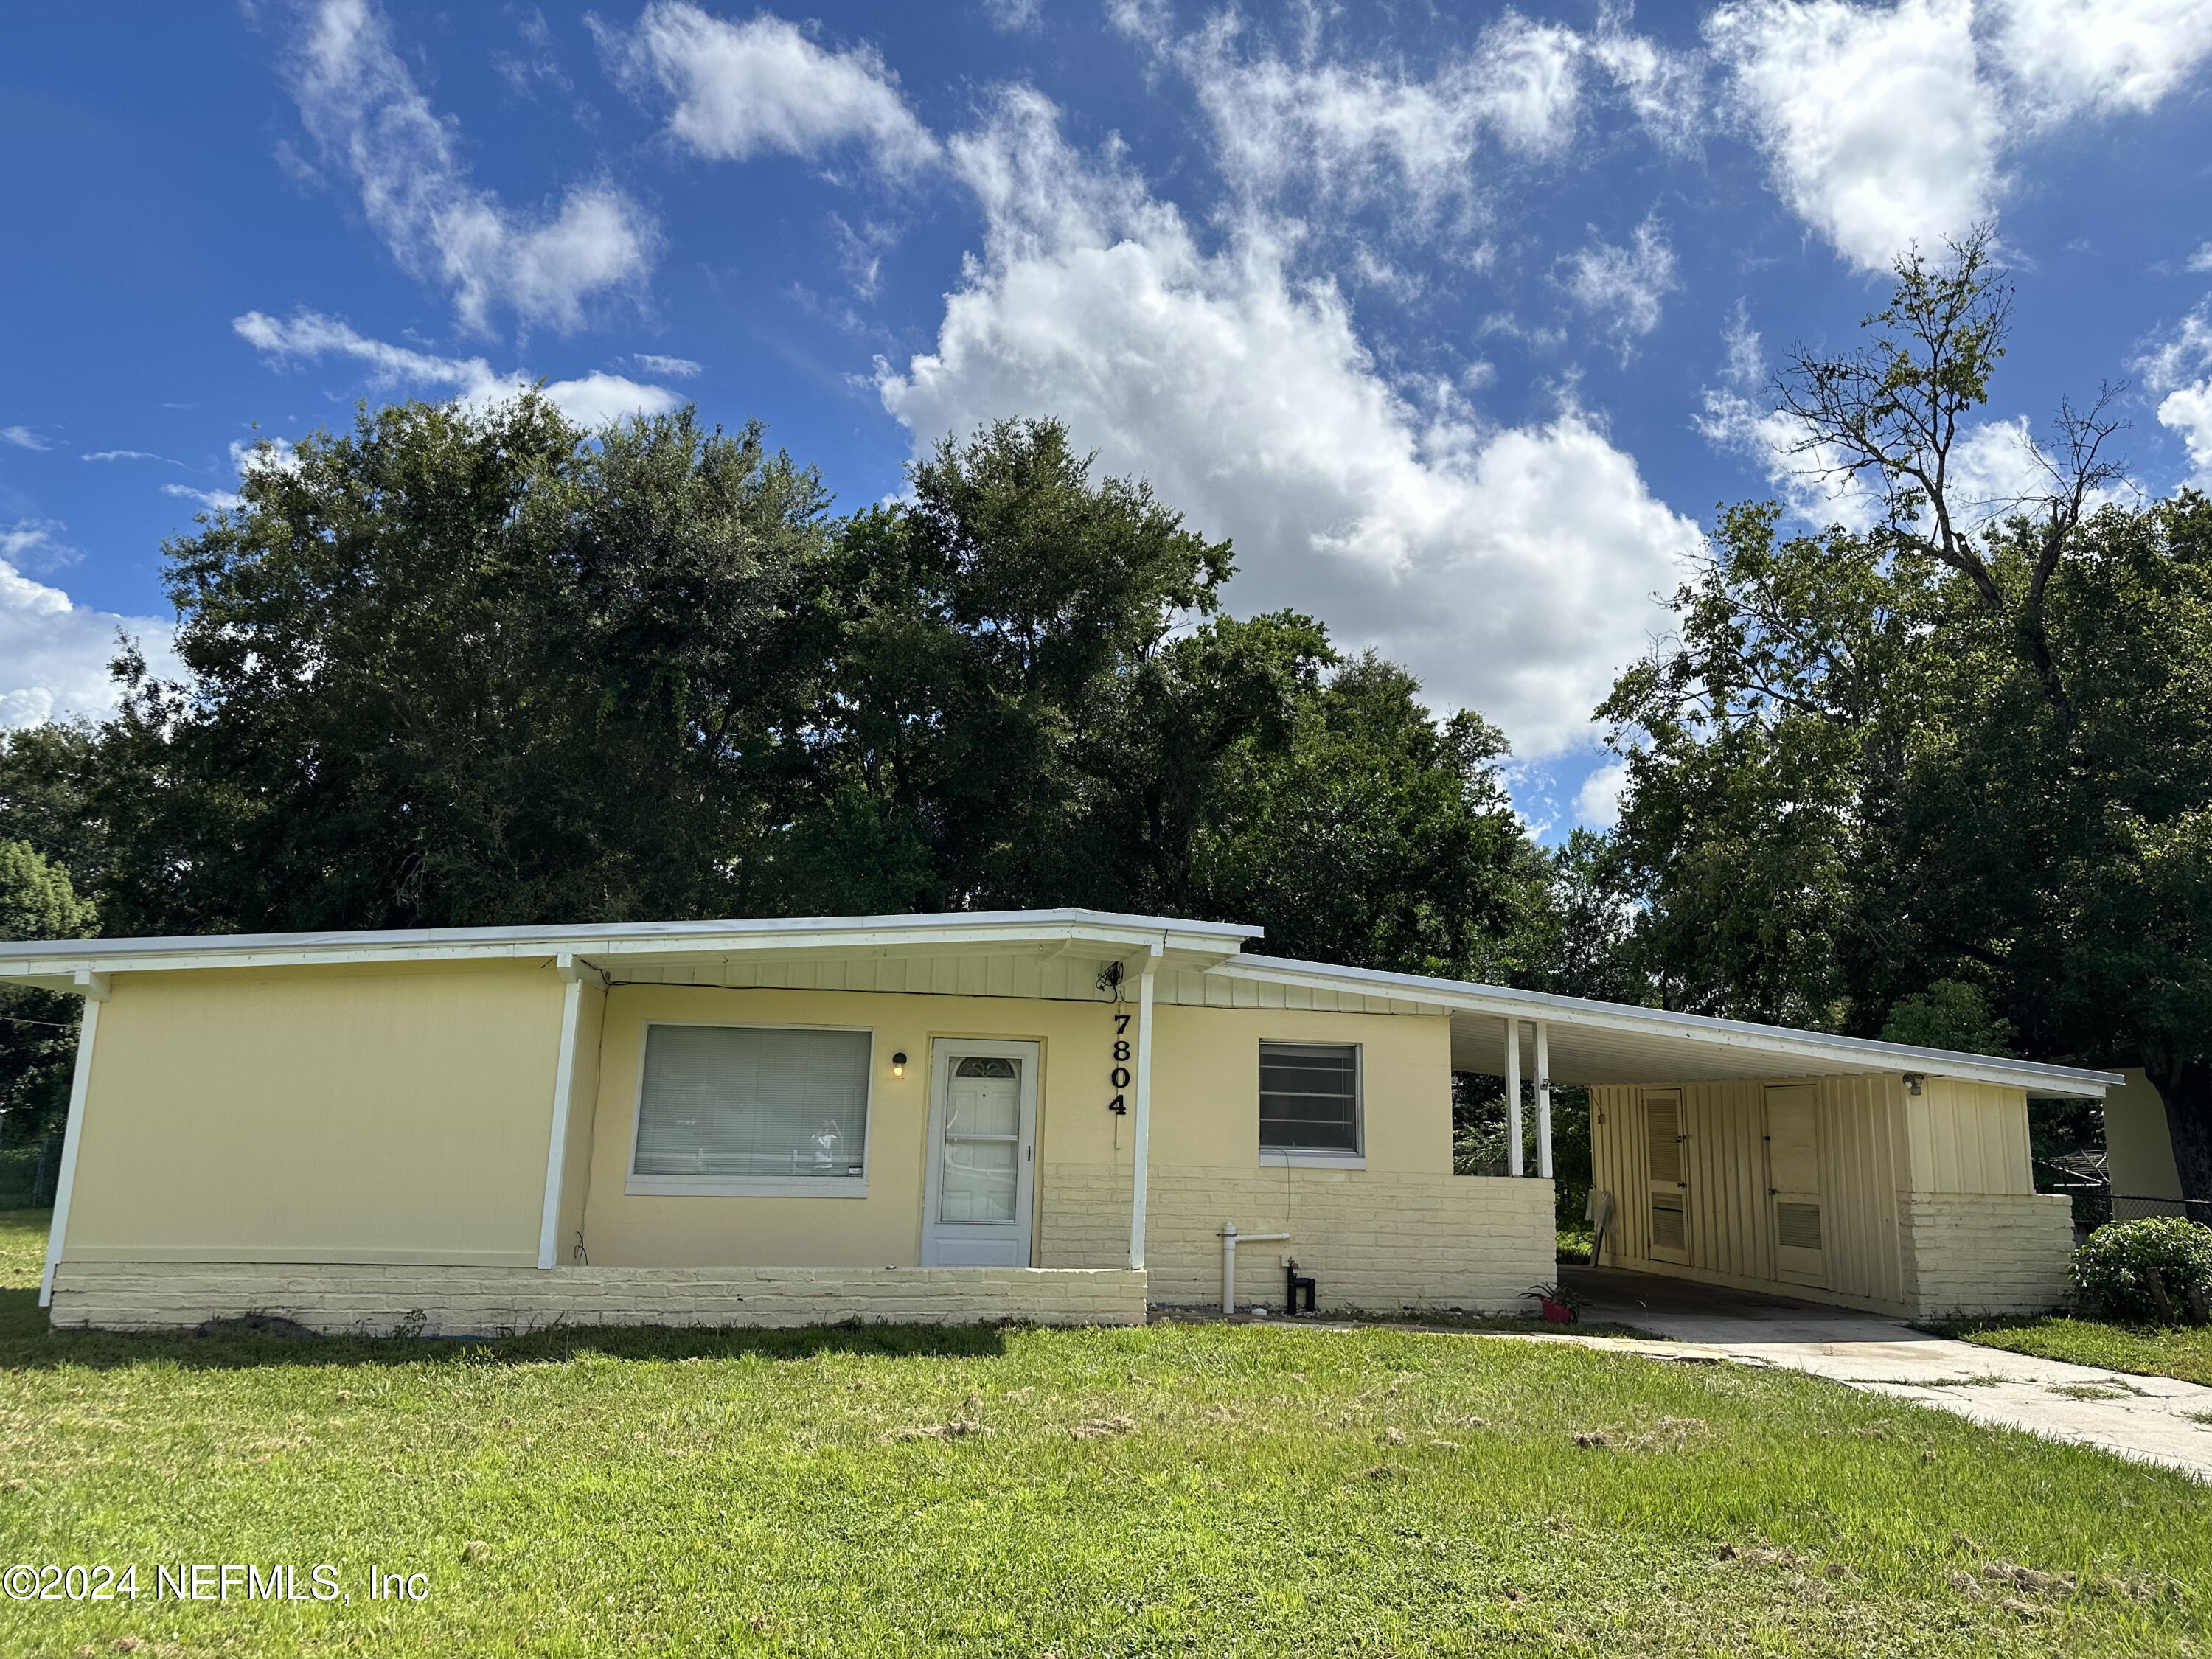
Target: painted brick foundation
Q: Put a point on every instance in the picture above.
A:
(1986, 1253)
(1380, 1242)
(496, 1301)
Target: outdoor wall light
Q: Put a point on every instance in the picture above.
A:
(1913, 1080)
(898, 1065)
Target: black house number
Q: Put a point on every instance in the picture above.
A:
(1119, 1080)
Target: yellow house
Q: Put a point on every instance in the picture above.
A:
(1057, 1116)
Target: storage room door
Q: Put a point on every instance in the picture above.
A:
(1666, 1167)
(1793, 1184)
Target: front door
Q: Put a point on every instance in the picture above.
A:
(1667, 1136)
(1793, 1184)
(982, 1154)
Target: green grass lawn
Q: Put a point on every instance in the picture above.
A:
(1195, 1489)
(2186, 1352)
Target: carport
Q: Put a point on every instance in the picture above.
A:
(1866, 1173)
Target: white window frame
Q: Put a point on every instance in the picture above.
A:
(664, 1186)
(1317, 1158)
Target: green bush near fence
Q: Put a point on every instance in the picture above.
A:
(2157, 1268)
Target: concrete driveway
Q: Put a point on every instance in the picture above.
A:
(2153, 1420)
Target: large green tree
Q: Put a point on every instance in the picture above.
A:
(469, 666)
(1946, 776)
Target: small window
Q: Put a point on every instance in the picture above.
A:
(1309, 1098)
(727, 1108)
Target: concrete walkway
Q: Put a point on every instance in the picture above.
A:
(2151, 1420)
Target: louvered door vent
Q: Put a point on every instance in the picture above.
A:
(1667, 1230)
(1798, 1226)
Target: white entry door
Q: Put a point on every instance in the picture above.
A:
(982, 1154)
(1667, 1170)
(1793, 1173)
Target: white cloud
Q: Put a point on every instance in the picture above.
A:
(2180, 368)
(216, 501)
(128, 455)
(22, 437)
(1015, 16)
(1625, 285)
(1355, 130)
(679, 368)
(1889, 124)
(1877, 127)
(53, 652)
(743, 88)
(1511, 567)
(593, 400)
(2072, 56)
(360, 104)
(1597, 802)
(2201, 260)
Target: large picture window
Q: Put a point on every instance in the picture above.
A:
(739, 1108)
(1309, 1098)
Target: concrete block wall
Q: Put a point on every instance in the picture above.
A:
(499, 1301)
(1986, 1253)
(1380, 1242)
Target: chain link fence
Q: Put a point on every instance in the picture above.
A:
(28, 1173)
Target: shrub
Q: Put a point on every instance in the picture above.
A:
(2111, 1273)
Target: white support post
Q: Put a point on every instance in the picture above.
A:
(1143, 1109)
(573, 973)
(1513, 1158)
(93, 988)
(1543, 1100)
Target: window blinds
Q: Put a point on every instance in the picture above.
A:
(1310, 1097)
(746, 1101)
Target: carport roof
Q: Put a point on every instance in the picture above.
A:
(1589, 1042)
(1618, 1042)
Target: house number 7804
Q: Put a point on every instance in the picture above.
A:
(1118, 1080)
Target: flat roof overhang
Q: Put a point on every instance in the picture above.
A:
(1102, 936)
(1589, 1043)
(1600, 1043)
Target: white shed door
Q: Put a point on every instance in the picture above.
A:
(1793, 1175)
(1667, 1169)
(982, 1155)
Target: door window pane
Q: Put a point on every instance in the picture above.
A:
(980, 1162)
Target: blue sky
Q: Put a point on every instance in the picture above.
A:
(1455, 323)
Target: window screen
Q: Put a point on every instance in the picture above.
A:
(1310, 1097)
(745, 1102)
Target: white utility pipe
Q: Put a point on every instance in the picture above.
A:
(1230, 1238)
(1513, 1160)
(1543, 1100)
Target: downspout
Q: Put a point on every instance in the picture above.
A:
(93, 988)
(573, 971)
(1143, 1112)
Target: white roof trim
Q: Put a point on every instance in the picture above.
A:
(1211, 947)
(45, 961)
(1835, 1053)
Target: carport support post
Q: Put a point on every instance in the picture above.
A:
(1513, 1160)
(1543, 1100)
(92, 988)
(1143, 1111)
